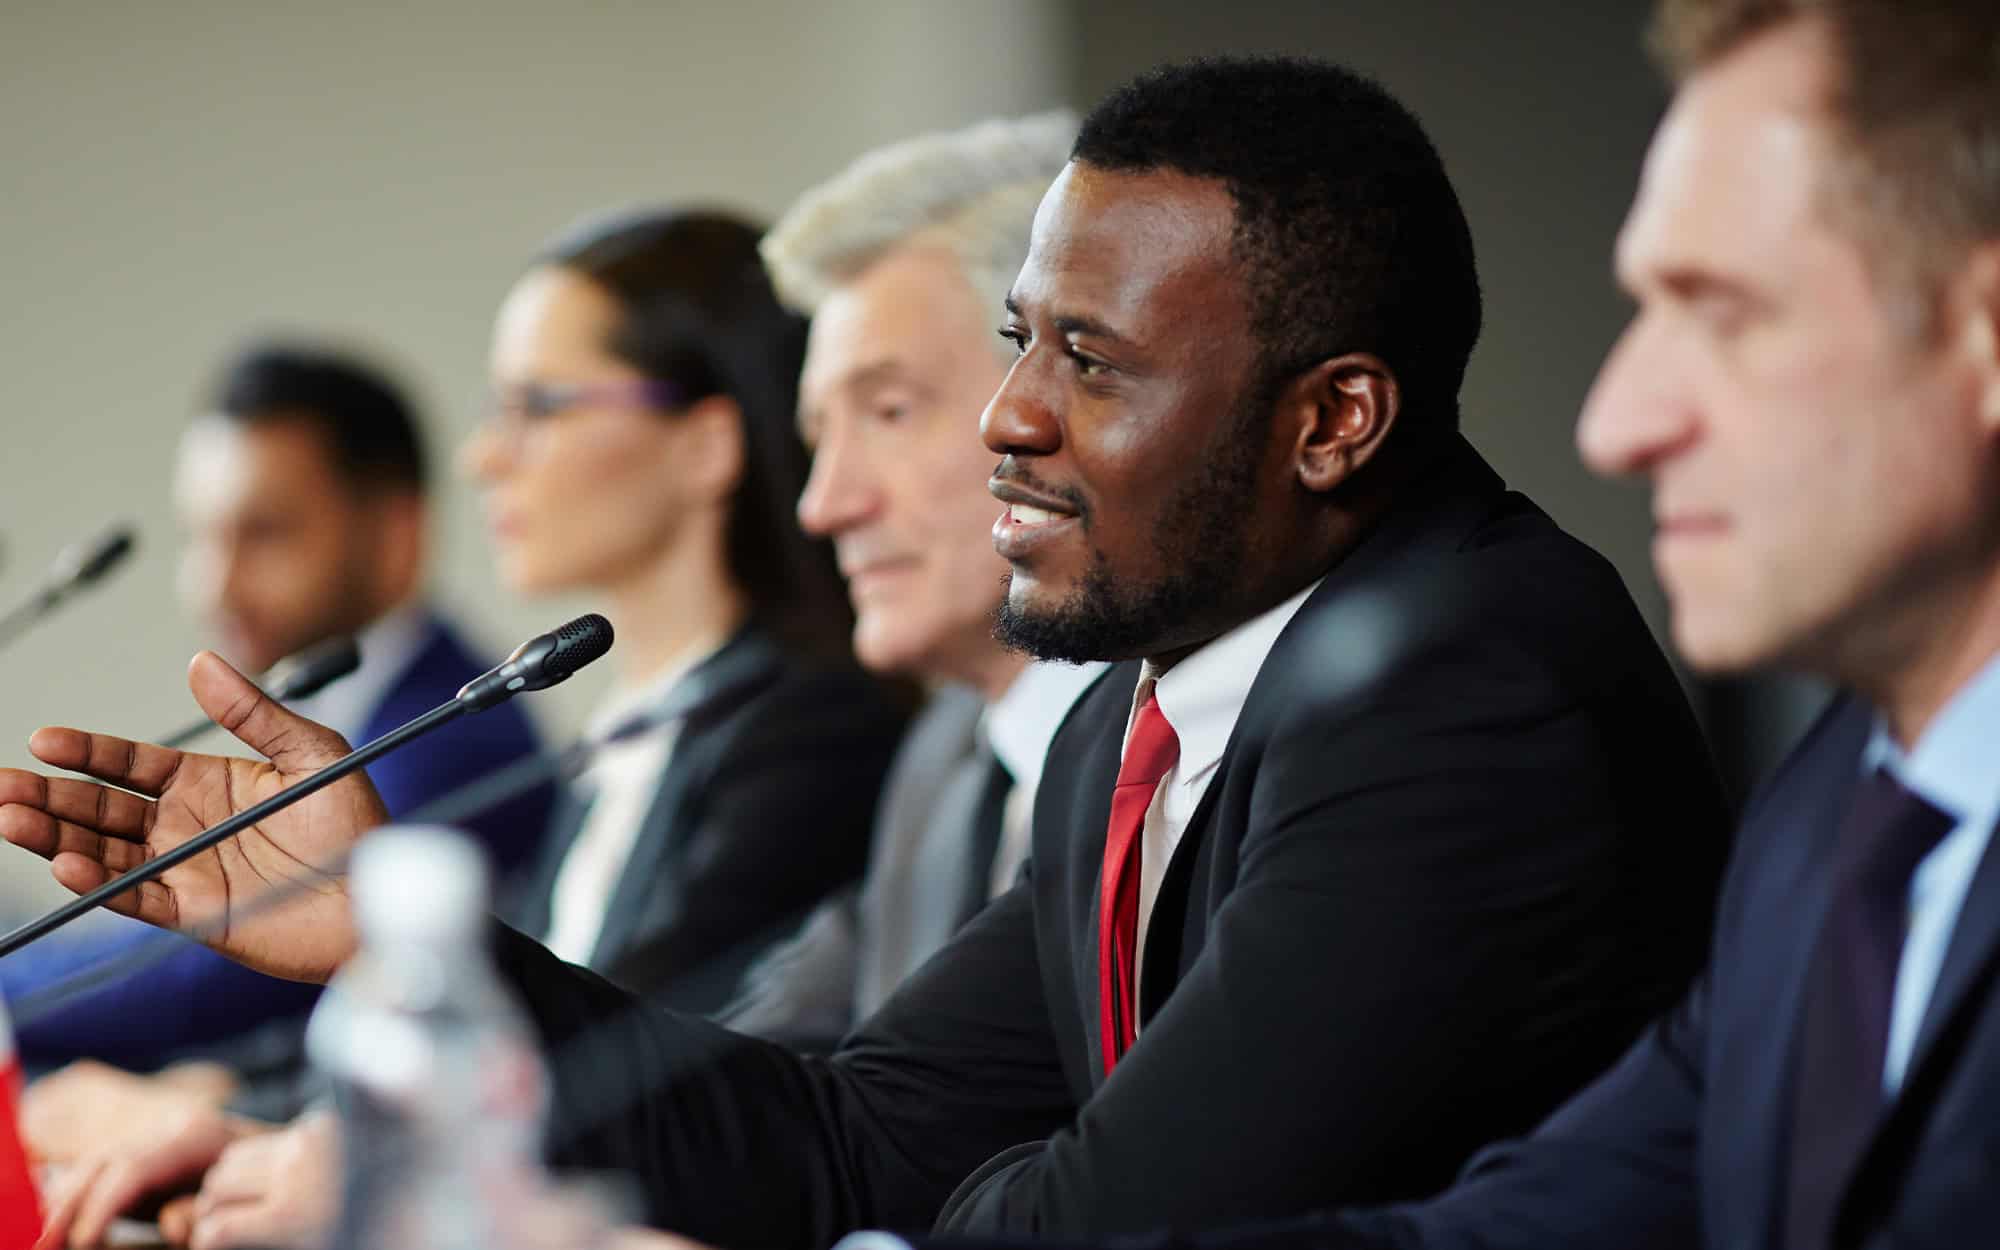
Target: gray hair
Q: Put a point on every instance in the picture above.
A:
(972, 191)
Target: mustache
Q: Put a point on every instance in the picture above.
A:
(1011, 471)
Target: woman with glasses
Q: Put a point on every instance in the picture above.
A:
(642, 451)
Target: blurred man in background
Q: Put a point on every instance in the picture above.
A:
(898, 261)
(301, 496)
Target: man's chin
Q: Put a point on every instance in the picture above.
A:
(1717, 647)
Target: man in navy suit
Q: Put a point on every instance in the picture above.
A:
(301, 494)
(1812, 387)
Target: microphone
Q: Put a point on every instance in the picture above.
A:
(540, 662)
(543, 661)
(306, 673)
(75, 566)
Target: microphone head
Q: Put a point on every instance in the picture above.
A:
(577, 643)
(314, 668)
(84, 562)
(542, 661)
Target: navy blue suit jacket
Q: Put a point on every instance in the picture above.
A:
(1685, 1142)
(194, 996)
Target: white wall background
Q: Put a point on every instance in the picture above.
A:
(173, 176)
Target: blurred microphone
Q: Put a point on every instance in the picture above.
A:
(454, 807)
(543, 661)
(306, 673)
(76, 566)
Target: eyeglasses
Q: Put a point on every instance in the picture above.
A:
(530, 402)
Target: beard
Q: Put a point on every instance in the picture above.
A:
(1199, 544)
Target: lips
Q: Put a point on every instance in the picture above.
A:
(1030, 520)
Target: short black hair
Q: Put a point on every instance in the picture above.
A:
(1350, 233)
(370, 429)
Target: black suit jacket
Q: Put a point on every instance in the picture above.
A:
(763, 809)
(1461, 846)
(1685, 1142)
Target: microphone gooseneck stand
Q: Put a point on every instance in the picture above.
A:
(537, 664)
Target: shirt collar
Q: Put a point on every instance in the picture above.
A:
(1202, 695)
(1952, 764)
(1020, 723)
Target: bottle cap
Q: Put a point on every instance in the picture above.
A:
(418, 882)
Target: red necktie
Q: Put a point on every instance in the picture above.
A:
(1149, 753)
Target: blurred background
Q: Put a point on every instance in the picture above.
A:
(179, 177)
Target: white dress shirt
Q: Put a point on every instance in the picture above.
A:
(1018, 726)
(621, 781)
(1201, 698)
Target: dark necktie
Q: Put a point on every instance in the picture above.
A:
(1837, 1099)
(1149, 753)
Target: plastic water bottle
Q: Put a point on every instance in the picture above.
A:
(435, 1071)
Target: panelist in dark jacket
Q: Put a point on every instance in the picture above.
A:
(1414, 828)
(1812, 385)
(644, 450)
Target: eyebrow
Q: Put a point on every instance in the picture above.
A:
(875, 373)
(1077, 323)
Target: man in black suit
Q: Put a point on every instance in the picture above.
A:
(1812, 385)
(1415, 829)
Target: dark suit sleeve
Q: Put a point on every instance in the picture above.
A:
(782, 822)
(1422, 953)
(743, 1143)
(1613, 1167)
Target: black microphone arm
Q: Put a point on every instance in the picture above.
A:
(76, 566)
(450, 808)
(306, 673)
(542, 661)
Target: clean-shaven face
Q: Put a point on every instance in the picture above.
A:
(899, 363)
(1818, 467)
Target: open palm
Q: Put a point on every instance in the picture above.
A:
(155, 798)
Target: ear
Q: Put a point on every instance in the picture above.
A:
(710, 449)
(1979, 287)
(1342, 409)
(403, 530)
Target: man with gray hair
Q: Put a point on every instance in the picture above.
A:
(901, 260)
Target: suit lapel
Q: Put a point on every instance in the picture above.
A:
(715, 687)
(1795, 888)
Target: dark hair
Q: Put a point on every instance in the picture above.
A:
(698, 313)
(368, 425)
(1350, 234)
(1917, 107)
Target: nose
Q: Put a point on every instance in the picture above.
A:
(841, 489)
(1640, 409)
(1021, 418)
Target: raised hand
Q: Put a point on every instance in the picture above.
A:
(158, 798)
